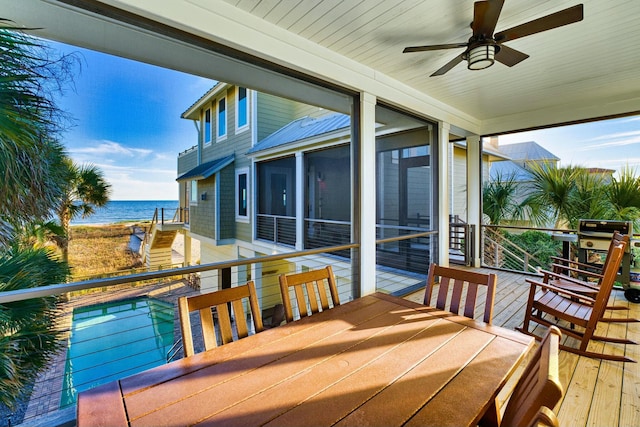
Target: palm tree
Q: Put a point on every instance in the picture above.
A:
(28, 334)
(85, 190)
(29, 123)
(553, 187)
(499, 199)
(587, 200)
(624, 195)
(31, 185)
(503, 202)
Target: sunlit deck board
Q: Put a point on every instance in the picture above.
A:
(597, 392)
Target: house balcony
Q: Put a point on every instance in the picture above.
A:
(597, 392)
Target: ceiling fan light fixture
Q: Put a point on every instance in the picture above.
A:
(481, 57)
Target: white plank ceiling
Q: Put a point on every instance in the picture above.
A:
(582, 71)
(593, 62)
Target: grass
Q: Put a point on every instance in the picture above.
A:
(98, 250)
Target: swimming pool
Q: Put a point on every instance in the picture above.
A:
(113, 340)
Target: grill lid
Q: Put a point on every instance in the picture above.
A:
(596, 227)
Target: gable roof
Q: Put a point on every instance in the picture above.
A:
(306, 127)
(507, 169)
(205, 170)
(527, 151)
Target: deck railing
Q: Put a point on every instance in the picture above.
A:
(502, 248)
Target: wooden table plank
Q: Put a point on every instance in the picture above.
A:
(374, 361)
(392, 395)
(102, 406)
(487, 372)
(139, 382)
(362, 369)
(292, 353)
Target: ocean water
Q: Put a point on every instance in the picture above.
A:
(129, 210)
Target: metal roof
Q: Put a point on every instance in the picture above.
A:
(304, 128)
(507, 169)
(527, 151)
(205, 170)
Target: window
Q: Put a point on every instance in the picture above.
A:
(206, 127)
(222, 118)
(242, 194)
(194, 192)
(242, 109)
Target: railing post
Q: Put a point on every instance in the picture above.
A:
(275, 229)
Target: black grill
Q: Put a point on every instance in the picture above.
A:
(594, 238)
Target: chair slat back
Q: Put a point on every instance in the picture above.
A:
(453, 281)
(609, 276)
(220, 300)
(538, 387)
(309, 290)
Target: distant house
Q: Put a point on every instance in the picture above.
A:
(458, 173)
(519, 157)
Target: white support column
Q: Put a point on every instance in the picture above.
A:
(443, 193)
(300, 179)
(187, 249)
(474, 191)
(368, 194)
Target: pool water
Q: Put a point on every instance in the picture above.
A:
(114, 340)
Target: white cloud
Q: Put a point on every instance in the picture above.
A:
(634, 139)
(105, 147)
(134, 174)
(616, 135)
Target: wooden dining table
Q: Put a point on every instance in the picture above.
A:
(376, 360)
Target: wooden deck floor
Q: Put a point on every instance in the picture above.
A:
(596, 392)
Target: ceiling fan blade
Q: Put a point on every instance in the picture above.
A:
(549, 22)
(433, 47)
(485, 17)
(509, 56)
(449, 65)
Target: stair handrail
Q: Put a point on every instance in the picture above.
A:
(528, 260)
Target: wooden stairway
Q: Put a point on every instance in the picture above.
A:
(156, 248)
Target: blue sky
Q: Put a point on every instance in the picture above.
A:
(610, 144)
(127, 122)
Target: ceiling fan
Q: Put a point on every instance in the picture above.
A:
(484, 46)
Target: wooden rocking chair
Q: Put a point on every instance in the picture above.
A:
(549, 305)
(567, 274)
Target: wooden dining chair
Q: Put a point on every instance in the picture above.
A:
(452, 285)
(310, 291)
(549, 305)
(220, 301)
(538, 390)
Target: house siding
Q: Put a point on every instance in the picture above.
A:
(202, 215)
(187, 161)
(227, 203)
(274, 113)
